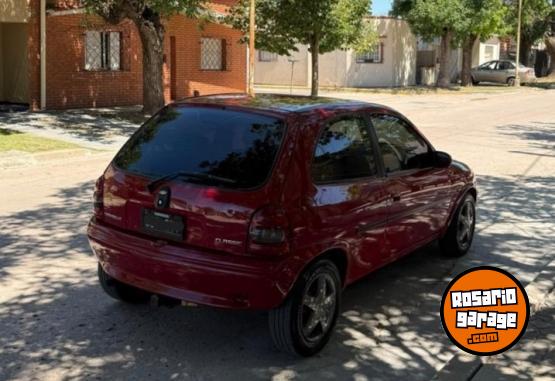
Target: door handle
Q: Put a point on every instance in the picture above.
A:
(396, 197)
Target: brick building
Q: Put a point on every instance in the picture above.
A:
(89, 63)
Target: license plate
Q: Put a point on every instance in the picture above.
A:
(163, 225)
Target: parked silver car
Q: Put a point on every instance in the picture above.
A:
(502, 72)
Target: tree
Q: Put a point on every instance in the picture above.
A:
(550, 42)
(483, 19)
(324, 26)
(435, 18)
(148, 16)
(535, 24)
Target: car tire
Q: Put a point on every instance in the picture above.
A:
(458, 239)
(475, 82)
(511, 81)
(121, 291)
(304, 323)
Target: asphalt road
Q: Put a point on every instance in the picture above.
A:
(56, 323)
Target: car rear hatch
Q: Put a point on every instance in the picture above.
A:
(195, 176)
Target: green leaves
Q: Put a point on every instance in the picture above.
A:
(282, 24)
(116, 10)
(430, 18)
(535, 17)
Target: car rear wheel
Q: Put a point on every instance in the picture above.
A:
(121, 291)
(475, 82)
(304, 323)
(511, 81)
(459, 236)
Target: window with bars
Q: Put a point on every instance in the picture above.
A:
(264, 56)
(102, 51)
(213, 54)
(373, 55)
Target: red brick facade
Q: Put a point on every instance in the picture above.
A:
(70, 85)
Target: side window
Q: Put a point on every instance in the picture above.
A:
(401, 148)
(344, 151)
(489, 65)
(504, 65)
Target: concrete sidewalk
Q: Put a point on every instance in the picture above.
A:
(105, 129)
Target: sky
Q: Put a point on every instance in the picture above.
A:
(381, 7)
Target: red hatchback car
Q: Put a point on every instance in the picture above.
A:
(274, 203)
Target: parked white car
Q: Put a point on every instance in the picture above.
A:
(502, 71)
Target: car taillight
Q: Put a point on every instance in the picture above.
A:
(268, 232)
(98, 198)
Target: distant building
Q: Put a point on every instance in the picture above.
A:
(89, 63)
(390, 63)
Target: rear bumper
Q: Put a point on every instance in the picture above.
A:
(214, 279)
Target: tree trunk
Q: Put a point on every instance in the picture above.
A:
(152, 38)
(550, 48)
(468, 47)
(525, 48)
(315, 50)
(444, 79)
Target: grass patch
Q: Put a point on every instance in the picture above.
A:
(547, 83)
(11, 140)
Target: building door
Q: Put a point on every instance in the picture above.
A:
(14, 78)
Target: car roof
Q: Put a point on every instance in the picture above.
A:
(284, 104)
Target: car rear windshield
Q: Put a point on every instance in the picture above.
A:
(235, 146)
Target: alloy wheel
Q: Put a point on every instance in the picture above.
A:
(318, 307)
(465, 226)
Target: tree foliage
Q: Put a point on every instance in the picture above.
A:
(535, 24)
(483, 19)
(324, 26)
(116, 10)
(457, 22)
(432, 18)
(535, 16)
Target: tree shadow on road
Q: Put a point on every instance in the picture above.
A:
(93, 125)
(56, 322)
(539, 136)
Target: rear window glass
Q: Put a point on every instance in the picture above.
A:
(236, 146)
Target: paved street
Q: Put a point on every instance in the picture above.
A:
(56, 323)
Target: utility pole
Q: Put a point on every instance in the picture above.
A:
(292, 61)
(517, 75)
(252, 45)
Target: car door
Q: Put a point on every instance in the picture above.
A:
(348, 199)
(486, 72)
(503, 71)
(419, 193)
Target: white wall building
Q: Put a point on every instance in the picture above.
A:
(391, 63)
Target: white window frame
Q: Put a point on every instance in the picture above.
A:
(373, 56)
(265, 56)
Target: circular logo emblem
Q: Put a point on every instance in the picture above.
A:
(485, 311)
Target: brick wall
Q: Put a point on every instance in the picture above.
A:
(189, 76)
(69, 85)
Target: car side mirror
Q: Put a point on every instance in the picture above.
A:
(442, 159)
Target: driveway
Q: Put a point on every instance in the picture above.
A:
(56, 324)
